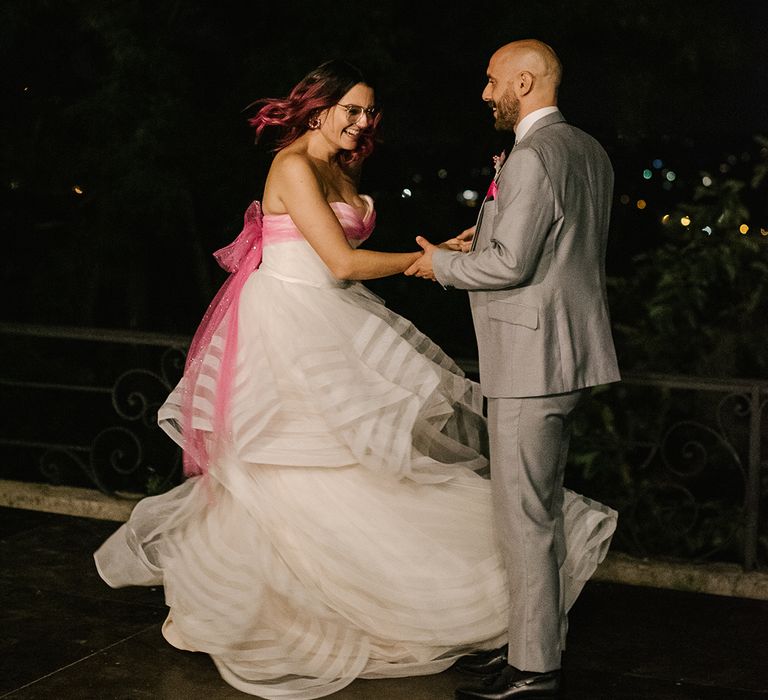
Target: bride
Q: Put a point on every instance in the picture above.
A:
(334, 523)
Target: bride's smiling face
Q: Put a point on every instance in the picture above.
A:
(344, 122)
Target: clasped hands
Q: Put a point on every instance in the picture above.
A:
(423, 266)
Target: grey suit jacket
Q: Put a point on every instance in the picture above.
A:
(536, 276)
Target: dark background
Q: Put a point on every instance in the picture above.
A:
(126, 158)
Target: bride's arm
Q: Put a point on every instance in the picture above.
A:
(300, 192)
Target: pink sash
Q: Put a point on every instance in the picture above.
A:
(240, 258)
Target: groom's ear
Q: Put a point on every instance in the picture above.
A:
(524, 83)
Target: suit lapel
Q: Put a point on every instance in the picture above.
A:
(553, 118)
(477, 225)
(482, 208)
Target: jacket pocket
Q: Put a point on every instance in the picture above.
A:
(511, 312)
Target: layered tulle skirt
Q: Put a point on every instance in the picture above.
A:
(345, 527)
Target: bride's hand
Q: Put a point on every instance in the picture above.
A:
(461, 243)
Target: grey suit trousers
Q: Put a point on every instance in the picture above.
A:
(528, 446)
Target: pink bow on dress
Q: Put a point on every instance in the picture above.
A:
(229, 257)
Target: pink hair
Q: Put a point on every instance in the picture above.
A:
(318, 90)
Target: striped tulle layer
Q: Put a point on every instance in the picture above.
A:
(344, 529)
(298, 581)
(330, 377)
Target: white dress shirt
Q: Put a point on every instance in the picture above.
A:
(530, 119)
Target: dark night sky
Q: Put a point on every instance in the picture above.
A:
(139, 104)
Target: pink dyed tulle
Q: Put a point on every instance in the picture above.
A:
(240, 258)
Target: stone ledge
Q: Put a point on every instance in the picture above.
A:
(66, 500)
(712, 578)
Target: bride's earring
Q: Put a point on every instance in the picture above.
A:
(314, 123)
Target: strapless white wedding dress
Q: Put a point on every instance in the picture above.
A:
(343, 530)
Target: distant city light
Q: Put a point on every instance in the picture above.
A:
(641, 204)
(647, 174)
(685, 221)
(763, 231)
(624, 199)
(707, 230)
(14, 184)
(417, 178)
(671, 176)
(658, 163)
(665, 219)
(469, 195)
(77, 189)
(743, 229)
(724, 167)
(406, 193)
(706, 181)
(732, 159)
(26, 89)
(442, 173)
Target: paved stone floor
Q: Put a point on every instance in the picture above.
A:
(66, 635)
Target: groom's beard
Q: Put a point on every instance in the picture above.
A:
(507, 111)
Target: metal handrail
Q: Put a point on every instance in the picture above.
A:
(102, 335)
(751, 394)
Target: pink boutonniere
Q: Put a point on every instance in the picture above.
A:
(498, 161)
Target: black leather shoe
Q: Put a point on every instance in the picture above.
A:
(483, 663)
(512, 683)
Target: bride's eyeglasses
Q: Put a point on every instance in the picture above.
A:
(354, 112)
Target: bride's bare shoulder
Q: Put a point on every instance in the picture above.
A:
(291, 164)
(291, 171)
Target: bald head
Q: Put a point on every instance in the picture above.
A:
(534, 57)
(523, 76)
(530, 69)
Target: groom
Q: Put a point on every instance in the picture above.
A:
(535, 271)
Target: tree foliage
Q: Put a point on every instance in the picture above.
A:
(698, 302)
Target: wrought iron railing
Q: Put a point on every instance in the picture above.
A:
(82, 404)
(711, 450)
(682, 459)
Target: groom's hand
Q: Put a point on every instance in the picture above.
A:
(461, 243)
(423, 266)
